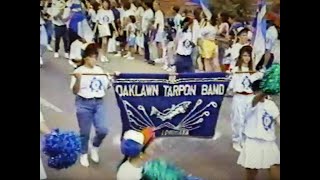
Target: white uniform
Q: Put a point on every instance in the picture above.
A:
(104, 19)
(240, 85)
(43, 174)
(260, 150)
(147, 17)
(184, 46)
(159, 20)
(91, 86)
(128, 172)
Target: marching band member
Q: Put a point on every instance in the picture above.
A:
(240, 85)
(106, 25)
(89, 91)
(45, 130)
(260, 150)
(184, 46)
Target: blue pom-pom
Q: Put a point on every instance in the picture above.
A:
(130, 148)
(62, 148)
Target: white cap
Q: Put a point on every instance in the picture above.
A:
(134, 135)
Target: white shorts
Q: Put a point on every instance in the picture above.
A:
(259, 154)
(104, 30)
(159, 38)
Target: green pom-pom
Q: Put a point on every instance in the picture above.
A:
(271, 81)
(161, 170)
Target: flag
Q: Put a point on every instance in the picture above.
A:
(183, 105)
(259, 41)
(206, 11)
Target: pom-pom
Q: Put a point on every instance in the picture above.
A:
(271, 81)
(62, 149)
(130, 148)
(161, 170)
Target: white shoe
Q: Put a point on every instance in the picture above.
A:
(49, 48)
(103, 59)
(158, 60)
(56, 55)
(84, 160)
(117, 55)
(130, 58)
(164, 67)
(66, 55)
(237, 147)
(94, 154)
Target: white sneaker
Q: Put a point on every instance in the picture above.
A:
(102, 59)
(130, 58)
(106, 59)
(237, 147)
(66, 55)
(49, 48)
(164, 67)
(117, 55)
(158, 60)
(94, 154)
(56, 55)
(84, 160)
(126, 56)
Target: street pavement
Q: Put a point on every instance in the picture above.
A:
(211, 159)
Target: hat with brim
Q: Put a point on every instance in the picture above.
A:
(132, 143)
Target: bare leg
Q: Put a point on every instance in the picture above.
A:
(251, 174)
(208, 67)
(274, 172)
(159, 48)
(200, 64)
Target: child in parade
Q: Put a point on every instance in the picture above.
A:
(240, 85)
(260, 150)
(131, 38)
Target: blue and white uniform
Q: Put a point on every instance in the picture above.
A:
(260, 150)
(240, 85)
(184, 50)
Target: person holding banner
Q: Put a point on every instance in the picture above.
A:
(183, 62)
(260, 150)
(240, 85)
(89, 91)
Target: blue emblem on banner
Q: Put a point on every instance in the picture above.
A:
(186, 106)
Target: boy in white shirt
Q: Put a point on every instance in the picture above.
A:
(260, 150)
(146, 24)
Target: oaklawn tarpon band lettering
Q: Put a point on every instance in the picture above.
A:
(134, 90)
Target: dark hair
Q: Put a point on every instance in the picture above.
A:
(148, 3)
(95, 6)
(176, 9)
(126, 5)
(197, 14)
(137, 3)
(213, 20)
(132, 18)
(255, 86)
(90, 50)
(232, 16)
(247, 49)
(108, 1)
(224, 17)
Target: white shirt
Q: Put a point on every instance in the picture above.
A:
(92, 13)
(125, 17)
(133, 7)
(132, 27)
(105, 16)
(271, 37)
(147, 17)
(128, 172)
(260, 120)
(58, 21)
(41, 117)
(184, 46)
(159, 19)
(41, 21)
(195, 31)
(75, 50)
(139, 12)
(209, 32)
(91, 86)
(241, 82)
(177, 21)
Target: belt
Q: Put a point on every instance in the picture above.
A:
(183, 55)
(244, 93)
(88, 99)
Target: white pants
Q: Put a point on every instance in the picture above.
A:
(237, 115)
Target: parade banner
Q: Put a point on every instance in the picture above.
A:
(176, 105)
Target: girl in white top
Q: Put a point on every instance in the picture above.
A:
(240, 86)
(260, 150)
(159, 27)
(105, 19)
(131, 38)
(89, 91)
(45, 130)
